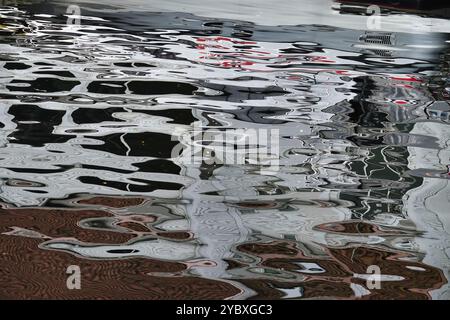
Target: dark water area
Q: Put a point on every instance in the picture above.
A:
(90, 114)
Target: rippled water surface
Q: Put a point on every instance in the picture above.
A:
(90, 114)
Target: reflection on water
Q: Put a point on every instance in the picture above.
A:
(88, 119)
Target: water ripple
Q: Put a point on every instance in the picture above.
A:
(90, 115)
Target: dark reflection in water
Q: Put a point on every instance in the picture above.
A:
(90, 115)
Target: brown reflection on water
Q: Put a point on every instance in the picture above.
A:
(112, 202)
(29, 271)
(340, 268)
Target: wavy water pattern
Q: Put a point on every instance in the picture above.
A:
(90, 114)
